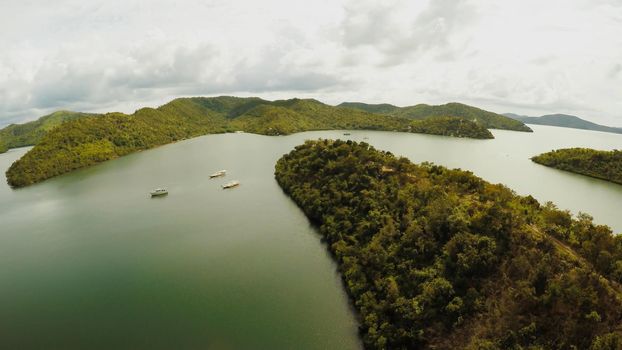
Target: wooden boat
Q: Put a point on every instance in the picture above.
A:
(218, 174)
(231, 184)
(159, 192)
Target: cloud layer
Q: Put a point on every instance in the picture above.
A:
(525, 56)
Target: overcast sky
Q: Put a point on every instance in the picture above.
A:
(525, 56)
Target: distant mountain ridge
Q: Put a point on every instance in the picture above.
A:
(564, 121)
(488, 119)
(30, 133)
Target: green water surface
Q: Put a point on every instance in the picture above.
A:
(88, 260)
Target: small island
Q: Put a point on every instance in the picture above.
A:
(604, 165)
(67, 141)
(441, 259)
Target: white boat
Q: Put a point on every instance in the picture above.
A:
(218, 174)
(231, 184)
(159, 192)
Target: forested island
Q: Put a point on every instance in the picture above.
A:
(85, 140)
(441, 259)
(605, 165)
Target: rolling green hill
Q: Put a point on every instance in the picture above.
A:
(433, 258)
(29, 134)
(605, 165)
(422, 111)
(90, 140)
(564, 121)
(381, 108)
(450, 126)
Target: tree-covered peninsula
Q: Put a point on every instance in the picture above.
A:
(605, 165)
(90, 140)
(450, 126)
(434, 258)
(29, 134)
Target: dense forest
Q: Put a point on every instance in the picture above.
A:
(606, 165)
(90, 140)
(489, 120)
(434, 258)
(29, 134)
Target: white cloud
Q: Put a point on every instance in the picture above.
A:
(523, 56)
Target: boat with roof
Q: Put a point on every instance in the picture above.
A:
(218, 174)
(231, 184)
(159, 192)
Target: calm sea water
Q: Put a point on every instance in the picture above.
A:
(88, 260)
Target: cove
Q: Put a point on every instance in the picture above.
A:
(90, 261)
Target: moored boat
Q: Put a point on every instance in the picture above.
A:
(218, 174)
(231, 184)
(159, 192)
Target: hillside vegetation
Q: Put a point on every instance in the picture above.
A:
(450, 126)
(564, 121)
(434, 258)
(489, 120)
(605, 165)
(29, 134)
(91, 140)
